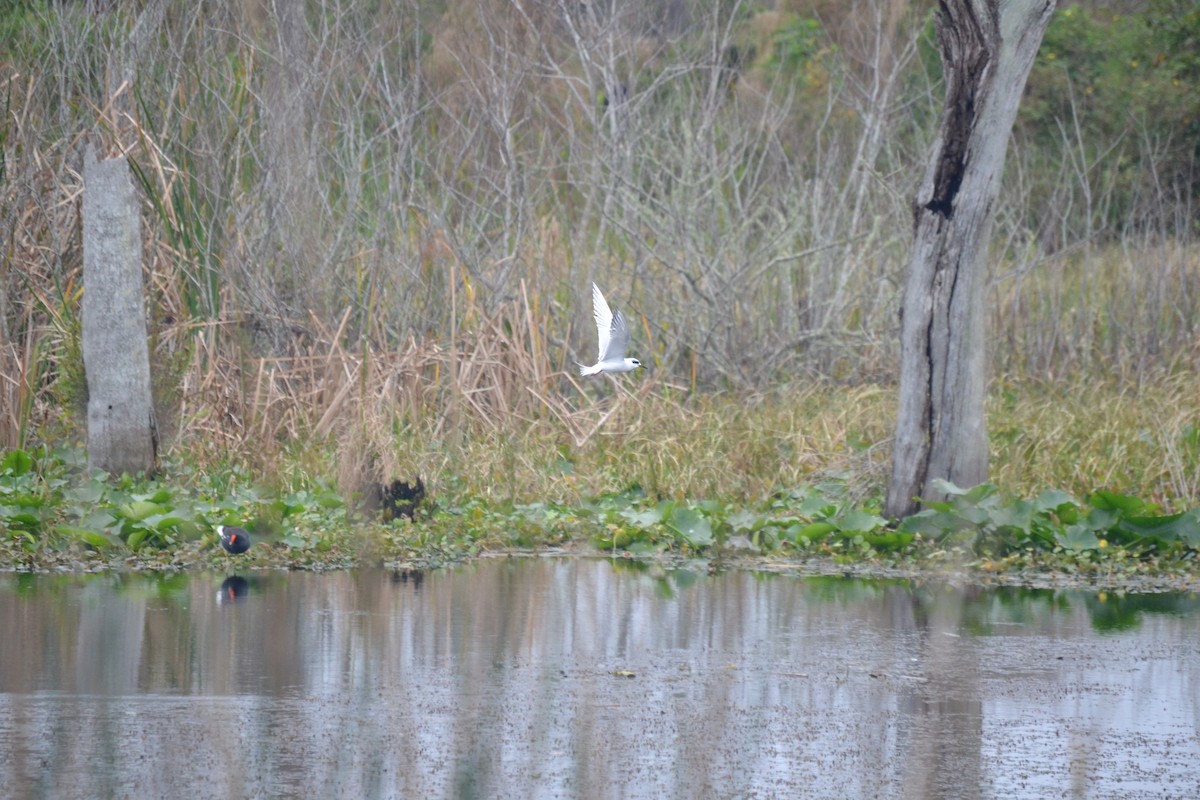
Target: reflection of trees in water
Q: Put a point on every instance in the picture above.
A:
(943, 743)
(509, 676)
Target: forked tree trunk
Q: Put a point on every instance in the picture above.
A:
(116, 358)
(988, 47)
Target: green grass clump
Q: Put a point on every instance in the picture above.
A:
(1083, 435)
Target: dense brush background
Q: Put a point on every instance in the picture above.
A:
(369, 217)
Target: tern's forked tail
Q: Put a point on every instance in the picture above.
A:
(586, 370)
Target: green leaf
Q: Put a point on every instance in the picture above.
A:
(689, 524)
(96, 541)
(16, 462)
(642, 519)
(24, 501)
(935, 524)
(927, 522)
(87, 493)
(974, 495)
(889, 540)
(164, 522)
(947, 488)
(817, 507)
(1018, 516)
(1112, 501)
(98, 520)
(20, 518)
(292, 504)
(979, 517)
(1183, 527)
(1101, 519)
(330, 500)
(139, 510)
(859, 522)
(161, 496)
(1053, 500)
(812, 532)
(1077, 537)
(745, 521)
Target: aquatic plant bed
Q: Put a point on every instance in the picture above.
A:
(59, 518)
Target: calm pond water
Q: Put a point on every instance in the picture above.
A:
(578, 678)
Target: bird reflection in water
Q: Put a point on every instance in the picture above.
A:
(410, 576)
(233, 589)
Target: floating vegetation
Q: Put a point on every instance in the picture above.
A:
(57, 515)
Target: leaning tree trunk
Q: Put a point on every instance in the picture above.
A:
(988, 47)
(116, 357)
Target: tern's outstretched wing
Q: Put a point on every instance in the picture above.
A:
(618, 339)
(604, 320)
(611, 329)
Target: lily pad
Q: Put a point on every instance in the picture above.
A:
(688, 523)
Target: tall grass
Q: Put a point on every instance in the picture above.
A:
(377, 225)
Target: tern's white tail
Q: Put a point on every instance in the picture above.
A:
(586, 370)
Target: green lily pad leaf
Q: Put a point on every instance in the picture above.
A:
(98, 520)
(295, 541)
(816, 506)
(927, 522)
(859, 522)
(891, 540)
(86, 493)
(1102, 519)
(1018, 516)
(689, 524)
(165, 521)
(138, 510)
(93, 539)
(1112, 501)
(1183, 527)
(644, 546)
(159, 496)
(745, 521)
(642, 519)
(947, 488)
(975, 494)
(813, 532)
(1053, 500)
(1077, 537)
(975, 515)
(330, 500)
(293, 504)
(983, 492)
(933, 523)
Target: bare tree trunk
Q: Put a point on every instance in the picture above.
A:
(116, 358)
(988, 47)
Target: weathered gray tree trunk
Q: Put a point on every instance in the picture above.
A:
(116, 358)
(988, 47)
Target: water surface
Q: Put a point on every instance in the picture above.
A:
(581, 678)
